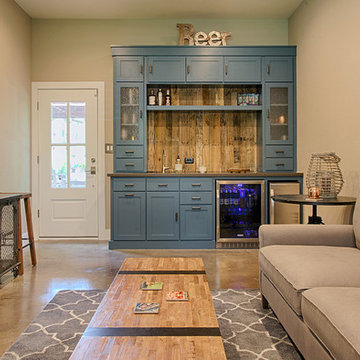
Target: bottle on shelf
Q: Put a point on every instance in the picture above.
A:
(152, 98)
(160, 97)
(168, 98)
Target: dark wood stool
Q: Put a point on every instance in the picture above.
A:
(26, 197)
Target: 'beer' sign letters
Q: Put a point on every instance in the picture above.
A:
(187, 36)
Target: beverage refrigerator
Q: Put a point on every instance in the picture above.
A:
(239, 211)
(281, 213)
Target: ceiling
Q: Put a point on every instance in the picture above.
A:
(159, 9)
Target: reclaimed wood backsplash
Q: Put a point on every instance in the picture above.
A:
(218, 140)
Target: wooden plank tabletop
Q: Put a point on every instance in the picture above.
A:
(181, 330)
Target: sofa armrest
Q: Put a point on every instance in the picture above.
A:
(326, 235)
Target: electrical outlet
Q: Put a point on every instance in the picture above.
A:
(189, 160)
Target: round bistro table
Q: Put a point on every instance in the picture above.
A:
(305, 200)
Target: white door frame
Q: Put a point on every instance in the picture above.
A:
(103, 234)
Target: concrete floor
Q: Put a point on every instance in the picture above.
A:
(90, 265)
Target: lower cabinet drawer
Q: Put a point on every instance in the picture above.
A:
(162, 184)
(196, 222)
(196, 184)
(128, 184)
(129, 165)
(196, 197)
(279, 164)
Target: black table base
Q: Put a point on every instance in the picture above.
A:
(314, 219)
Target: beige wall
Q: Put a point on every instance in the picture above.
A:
(79, 50)
(15, 90)
(328, 67)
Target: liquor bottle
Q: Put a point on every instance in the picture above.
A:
(168, 98)
(160, 97)
(152, 98)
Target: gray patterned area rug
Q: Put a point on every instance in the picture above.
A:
(248, 331)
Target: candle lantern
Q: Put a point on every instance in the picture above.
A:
(324, 178)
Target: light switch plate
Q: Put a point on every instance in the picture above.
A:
(109, 149)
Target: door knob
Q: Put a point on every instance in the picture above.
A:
(93, 160)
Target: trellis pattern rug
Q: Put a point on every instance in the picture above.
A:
(248, 331)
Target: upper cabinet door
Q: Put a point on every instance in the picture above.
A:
(278, 69)
(279, 125)
(166, 69)
(239, 69)
(128, 114)
(205, 69)
(129, 68)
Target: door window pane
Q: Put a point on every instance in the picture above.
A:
(77, 167)
(58, 122)
(59, 167)
(77, 122)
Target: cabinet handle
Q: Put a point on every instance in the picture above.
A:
(161, 185)
(129, 185)
(129, 151)
(226, 69)
(268, 114)
(280, 164)
(268, 68)
(279, 152)
(196, 208)
(188, 69)
(176, 216)
(196, 198)
(129, 195)
(196, 184)
(141, 68)
(150, 69)
(140, 114)
(129, 164)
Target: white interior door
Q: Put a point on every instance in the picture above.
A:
(67, 163)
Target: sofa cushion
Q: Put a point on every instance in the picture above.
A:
(333, 316)
(356, 222)
(295, 268)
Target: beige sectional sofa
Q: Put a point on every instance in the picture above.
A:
(310, 277)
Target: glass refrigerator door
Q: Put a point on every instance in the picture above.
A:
(240, 210)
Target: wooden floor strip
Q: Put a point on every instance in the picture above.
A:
(162, 272)
(153, 331)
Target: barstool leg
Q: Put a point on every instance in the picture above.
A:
(19, 239)
(30, 229)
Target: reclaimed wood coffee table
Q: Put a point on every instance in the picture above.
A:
(181, 330)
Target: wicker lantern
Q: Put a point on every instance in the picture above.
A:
(324, 175)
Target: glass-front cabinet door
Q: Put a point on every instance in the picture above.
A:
(279, 113)
(129, 114)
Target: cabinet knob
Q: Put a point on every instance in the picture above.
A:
(129, 195)
(279, 152)
(195, 184)
(129, 151)
(129, 185)
(162, 185)
(176, 216)
(226, 69)
(188, 69)
(141, 68)
(129, 164)
(268, 68)
(280, 164)
(196, 198)
(268, 114)
(196, 208)
(150, 69)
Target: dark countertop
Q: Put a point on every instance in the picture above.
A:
(197, 174)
